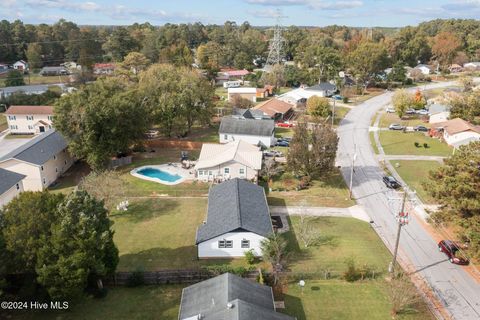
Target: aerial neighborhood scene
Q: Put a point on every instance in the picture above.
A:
(243, 160)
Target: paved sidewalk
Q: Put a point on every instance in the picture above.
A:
(356, 211)
(410, 157)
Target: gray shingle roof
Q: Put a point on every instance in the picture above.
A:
(8, 179)
(252, 127)
(39, 149)
(249, 300)
(322, 87)
(437, 108)
(235, 205)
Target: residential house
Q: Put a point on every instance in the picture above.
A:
(244, 92)
(438, 113)
(226, 74)
(29, 119)
(262, 93)
(21, 66)
(458, 132)
(229, 297)
(323, 89)
(219, 162)
(238, 219)
(41, 160)
(54, 71)
(10, 186)
(104, 68)
(251, 113)
(253, 131)
(474, 65)
(3, 68)
(455, 68)
(30, 89)
(276, 109)
(425, 69)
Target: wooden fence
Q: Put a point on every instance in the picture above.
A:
(177, 144)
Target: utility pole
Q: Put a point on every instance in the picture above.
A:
(402, 220)
(333, 112)
(352, 170)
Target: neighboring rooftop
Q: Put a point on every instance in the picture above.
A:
(229, 297)
(253, 127)
(437, 108)
(242, 90)
(249, 113)
(322, 86)
(37, 88)
(236, 205)
(39, 149)
(213, 154)
(8, 179)
(274, 106)
(29, 110)
(458, 125)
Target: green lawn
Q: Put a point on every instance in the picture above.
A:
(340, 113)
(387, 119)
(283, 132)
(371, 136)
(399, 143)
(414, 173)
(204, 134)
(147, 302)
(3, 122)
(329, 191)
(35, 78)
(19, 136)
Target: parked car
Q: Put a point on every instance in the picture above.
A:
(410, 111)
(337, 97)
(396, 126)
(421, 128)
(287, 139)
(284, 124)
(422, 112)
(390, 110)
(272, 153)
(450, 248)
(282, 143)
(391, 182)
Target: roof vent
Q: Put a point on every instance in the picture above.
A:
(229, 305)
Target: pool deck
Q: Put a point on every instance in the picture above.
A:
(171, 168)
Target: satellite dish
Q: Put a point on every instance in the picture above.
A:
(341, 74)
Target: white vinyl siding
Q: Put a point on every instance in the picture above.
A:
(211, 248)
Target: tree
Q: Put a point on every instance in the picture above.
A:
(324, 59)
(269, 170)
(119, 44)
(80, 248)
(419, 101)
(401, 293)
(465, 105)
(275, 76)
(318, 107)
(456, 187)
(106, 186)
(467, 83)
(444, 48)
(238, 101)
(274, 250)
(132, 65)
(398, 73)
(34, 55)
(367, 60)
(101, 120)
(402, 100)
(305, 229)
(298, 157)
(14, 79)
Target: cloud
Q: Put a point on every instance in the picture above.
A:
(268, 13)
(64, 5)
(9, 3)
(462, 5)
(313, 4)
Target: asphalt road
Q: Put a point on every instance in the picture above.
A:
(454, 287)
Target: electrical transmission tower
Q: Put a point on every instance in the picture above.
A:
(275, 54)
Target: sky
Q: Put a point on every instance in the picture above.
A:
(361, 13)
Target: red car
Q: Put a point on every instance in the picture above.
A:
(284, 124)
(450, 248)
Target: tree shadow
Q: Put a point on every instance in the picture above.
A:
(294, 307)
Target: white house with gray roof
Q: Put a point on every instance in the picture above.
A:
(253, 131)
(438, 113)
(229, 297)
(10, 186)
(238, 219)
(41, 160)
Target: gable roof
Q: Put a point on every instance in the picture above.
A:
(252, 127)
(438, 108)
(235, 205)
(29, 110)
(322, 86)
(273, 106)
(39, 149)
(421, 65)
(248, 300)
(8, 179)
(458, 125)
(242, 90)
(252, 113)
(213, 154)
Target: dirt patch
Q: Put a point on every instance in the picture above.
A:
(174, 144)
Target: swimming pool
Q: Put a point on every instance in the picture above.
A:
(165, 174)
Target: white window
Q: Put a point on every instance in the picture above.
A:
(41, 168)
(18, 186)
(245, 243)
(226, 170)
(12, 118)
(54, 157)
(13, 127)
(56, 169)
(44, 181)
(65, 161)
(210, 173)
(221, 243)
(242, 171)
(50, 118)
(225, 136)
(30, 118)
(225, 244)
(30, 127)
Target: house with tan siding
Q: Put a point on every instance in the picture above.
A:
(220, 162)
(244, 92)
(238, 220)
(10, 186)
(41, 160)
(29, 119)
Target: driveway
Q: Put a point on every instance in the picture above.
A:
(418, 252)
(7, 145)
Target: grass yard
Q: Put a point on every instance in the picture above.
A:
(19, 136)
(147, 302)
(399, 143)
(414, 173)
(283, 132)
(3, 122)
(387, 119)
(204, 134)
(371, 136)
(329, 192)
(35, 78)
(340, 113)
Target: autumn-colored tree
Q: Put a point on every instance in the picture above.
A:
(318, 107)
(402, 100)
(444, 48)
(419, 100)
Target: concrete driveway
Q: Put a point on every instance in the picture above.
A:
(7, 145)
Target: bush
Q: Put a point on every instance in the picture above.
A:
(250, 257)
(222, 268)
(135, 279)
(409, 81)
(351, 274)
(417, 144)
(345, 99)
(425, 145)
(139, 147)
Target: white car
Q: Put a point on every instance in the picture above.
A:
(422, 112)
(389, 110)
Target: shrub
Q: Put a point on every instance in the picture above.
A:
(221, 268)
(345, 99)
(425, 145)
(351, 274)
(139, 147)
(135, 279)
(417, 144)
(250, 257)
